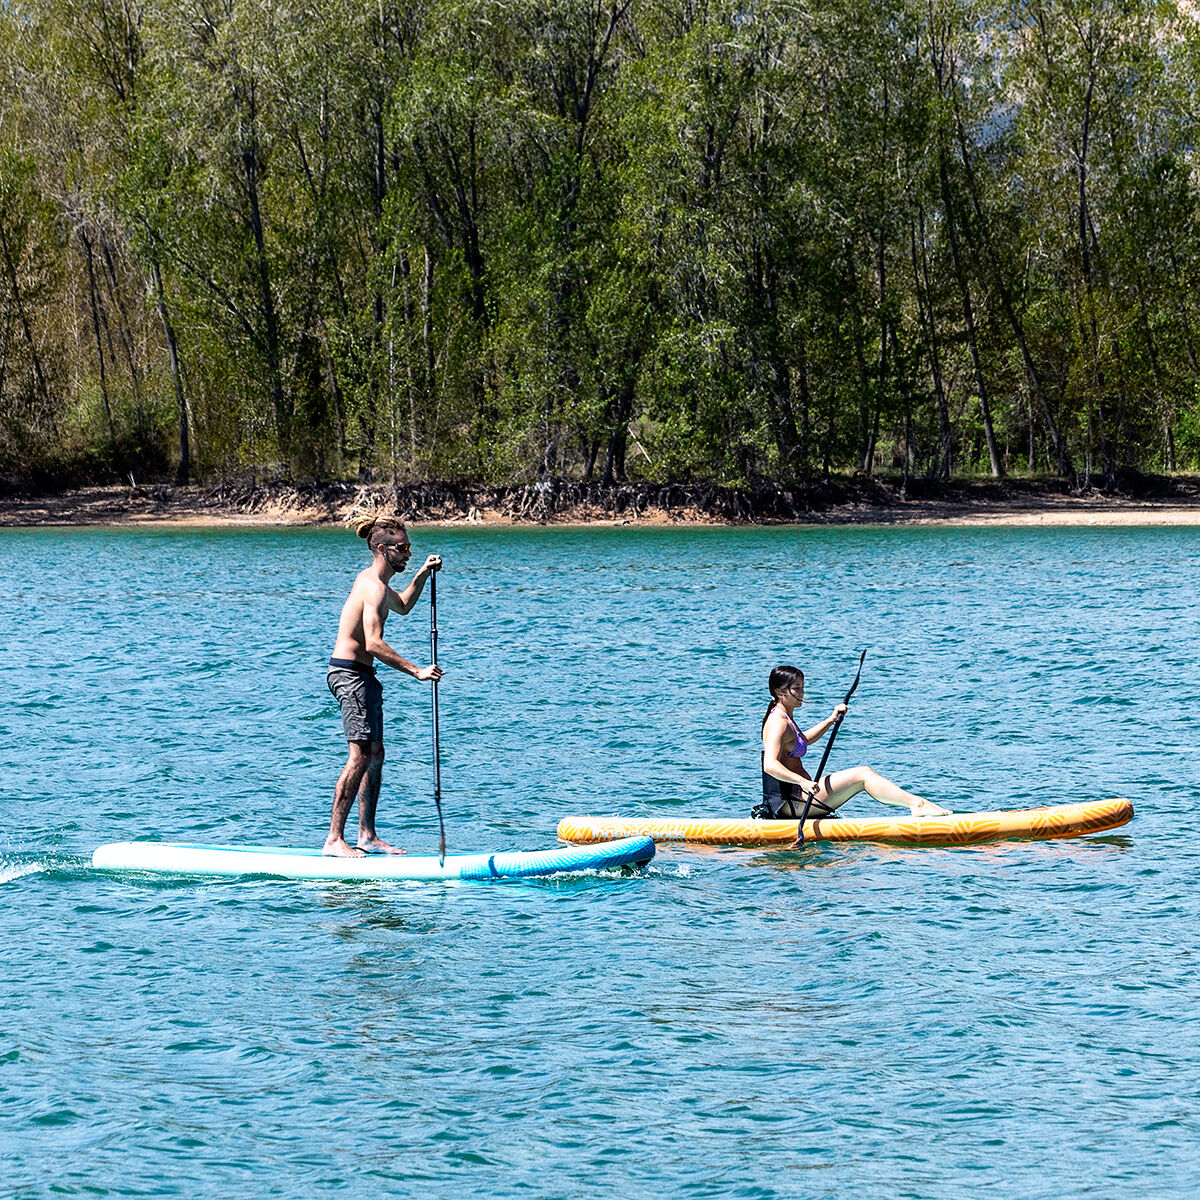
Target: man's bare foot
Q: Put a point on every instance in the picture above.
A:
(376, 845)
(340, 848)
(926, 808)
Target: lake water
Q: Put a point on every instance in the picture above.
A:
(1010, 1020)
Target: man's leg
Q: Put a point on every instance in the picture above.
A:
(349, 781)
(368, 799)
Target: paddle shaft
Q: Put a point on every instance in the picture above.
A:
(828, 747)
(437, 754)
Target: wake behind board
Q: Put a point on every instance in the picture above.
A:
(166, 858)
(958, 829)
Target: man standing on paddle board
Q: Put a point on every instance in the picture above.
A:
(352, 681)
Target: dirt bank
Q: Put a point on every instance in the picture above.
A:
(855, 501)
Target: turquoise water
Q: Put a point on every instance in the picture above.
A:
(1012, 1020)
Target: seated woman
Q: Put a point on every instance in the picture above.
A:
(786, 784)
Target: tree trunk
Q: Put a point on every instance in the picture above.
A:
(183, 474)
(805, 405)
(621, 408)
(925, 315)
(126, 325)
(250, 171)
(860, 361)
(1096, 419)
(91, 270)
(591, 451)
(1006, 300)
(23, 316)
(784, 417)
(427, 323)
(964, 291)
(882, 371)
(1156, 375)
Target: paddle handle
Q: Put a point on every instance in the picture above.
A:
(437, 748)
(828, 747)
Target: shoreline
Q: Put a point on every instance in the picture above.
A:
(199, 507)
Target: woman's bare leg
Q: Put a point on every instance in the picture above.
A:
(839, 787)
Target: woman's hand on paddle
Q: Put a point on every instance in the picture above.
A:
(819, 731)
(428, 674)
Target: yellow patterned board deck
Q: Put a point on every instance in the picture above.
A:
(958, 829)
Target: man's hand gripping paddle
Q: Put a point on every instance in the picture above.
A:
(437, 763)
(808, 799)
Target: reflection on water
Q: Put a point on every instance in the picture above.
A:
(848, 1020)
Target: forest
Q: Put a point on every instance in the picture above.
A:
(666, 241)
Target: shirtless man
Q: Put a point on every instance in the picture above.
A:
(352, 681)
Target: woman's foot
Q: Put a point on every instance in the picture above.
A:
(926, 808)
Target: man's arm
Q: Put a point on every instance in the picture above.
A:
(402, 602)
(373, 636)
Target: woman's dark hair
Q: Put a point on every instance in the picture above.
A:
(782, 679)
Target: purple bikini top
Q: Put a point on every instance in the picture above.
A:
(801, 745)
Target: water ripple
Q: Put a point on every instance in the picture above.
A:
(1005, 1020)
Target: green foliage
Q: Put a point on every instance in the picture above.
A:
(500, 240)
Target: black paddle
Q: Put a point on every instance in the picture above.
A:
(825, 757)
(437, 758)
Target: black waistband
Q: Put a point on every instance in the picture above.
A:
(352, 664)
(783, 800)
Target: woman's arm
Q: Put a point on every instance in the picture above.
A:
(817, 732)
(772, 739)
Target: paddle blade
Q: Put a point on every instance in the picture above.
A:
(437, 799)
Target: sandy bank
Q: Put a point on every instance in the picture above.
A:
(874, 505)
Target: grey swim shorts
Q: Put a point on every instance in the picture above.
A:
(360, 696)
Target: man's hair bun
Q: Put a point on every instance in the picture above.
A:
(363, 521)
(366, 521)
